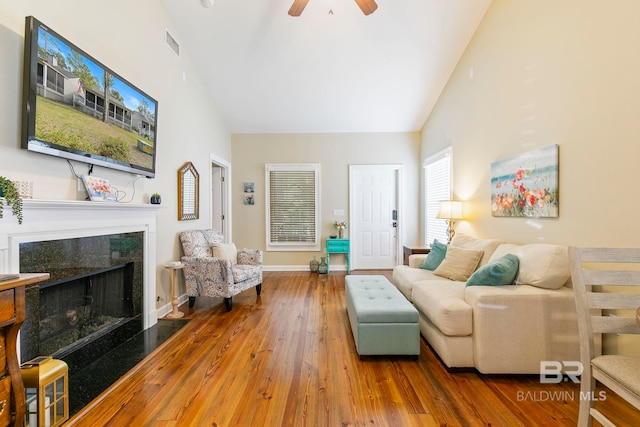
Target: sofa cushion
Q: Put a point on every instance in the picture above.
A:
(435, 256)
(541, 264)
(442, 302)
(487, 246)
(497, 272)
(404, 277)
(459, 263)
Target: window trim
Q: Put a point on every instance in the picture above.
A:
(292, 246)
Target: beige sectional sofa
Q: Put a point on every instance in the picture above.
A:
(496, 329)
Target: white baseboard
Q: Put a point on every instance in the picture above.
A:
(299, 268)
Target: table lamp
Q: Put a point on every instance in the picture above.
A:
(450, 210)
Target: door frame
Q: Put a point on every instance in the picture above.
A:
(399, 169)
(225, 167)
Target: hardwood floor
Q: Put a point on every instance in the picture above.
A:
(287, 358)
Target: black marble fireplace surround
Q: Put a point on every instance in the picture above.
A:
(95, 293)
(92, 302)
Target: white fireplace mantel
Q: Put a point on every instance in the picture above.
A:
(64, 219)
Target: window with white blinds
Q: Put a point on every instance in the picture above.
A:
(293, 206)
(437, 186)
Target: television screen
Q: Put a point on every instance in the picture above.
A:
(77, 108)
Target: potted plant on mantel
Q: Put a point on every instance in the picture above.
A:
(10, 195)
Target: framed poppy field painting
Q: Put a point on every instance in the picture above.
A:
(526, 185)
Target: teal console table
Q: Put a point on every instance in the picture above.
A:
(338, 246)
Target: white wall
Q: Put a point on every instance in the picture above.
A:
(128, 37)
(549, 72)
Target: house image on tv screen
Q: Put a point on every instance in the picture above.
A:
(68, 83)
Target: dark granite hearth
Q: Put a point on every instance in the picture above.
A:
(87, 383)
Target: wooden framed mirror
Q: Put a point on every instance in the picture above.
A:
(188, 192)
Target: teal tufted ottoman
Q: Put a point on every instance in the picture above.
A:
(382, 320)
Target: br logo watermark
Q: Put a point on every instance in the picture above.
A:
(551, 371)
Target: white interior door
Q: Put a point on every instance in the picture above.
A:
(374, 215)
(220, 190)
(217, 201)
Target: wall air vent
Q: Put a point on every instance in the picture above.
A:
(171, 42)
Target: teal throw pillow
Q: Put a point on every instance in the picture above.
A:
(501, 271)
(435, 257)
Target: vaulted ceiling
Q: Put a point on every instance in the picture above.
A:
(268, 72)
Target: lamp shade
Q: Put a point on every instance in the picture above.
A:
(449, 209)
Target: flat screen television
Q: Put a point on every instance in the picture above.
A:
(77, 108)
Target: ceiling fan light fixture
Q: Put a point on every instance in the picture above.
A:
(207, 3)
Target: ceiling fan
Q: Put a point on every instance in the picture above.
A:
(367, 6)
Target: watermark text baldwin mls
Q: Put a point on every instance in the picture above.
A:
(551, 372)
(559, 396)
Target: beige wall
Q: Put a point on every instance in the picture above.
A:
(127, 36)
(549, 72)
(334, 152)
(540, 73)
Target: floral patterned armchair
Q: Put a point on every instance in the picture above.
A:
(223, 276)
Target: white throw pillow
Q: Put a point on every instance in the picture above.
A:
(225, 250)
(541, 264)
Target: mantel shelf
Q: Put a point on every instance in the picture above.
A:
(83, 205)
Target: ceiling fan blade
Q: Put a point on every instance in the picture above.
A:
(297, 7)
(367, 6)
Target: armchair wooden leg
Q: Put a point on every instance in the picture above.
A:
(259, 289)
(192, 302)
(227, 303)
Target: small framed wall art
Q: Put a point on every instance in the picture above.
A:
(526, 185)
(249, 199)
